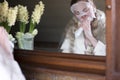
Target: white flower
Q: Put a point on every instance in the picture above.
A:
(3, 11)
(28, 35)
(35, 32)
(19, 35)
(23, 14)
(37, 13)
(12, 14)
(11, 38)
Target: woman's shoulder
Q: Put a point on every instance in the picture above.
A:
(99, 25)
(100, 20)
(100, 15)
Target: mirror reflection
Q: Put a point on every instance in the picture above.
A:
(70, 41)
(85, 33)
(63, 19)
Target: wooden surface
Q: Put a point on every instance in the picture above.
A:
(36, 61)
(113, 49)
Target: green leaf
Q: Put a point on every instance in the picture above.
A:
(32, 26)
(22, 27)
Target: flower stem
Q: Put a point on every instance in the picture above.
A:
(32, 26)
(22, 27)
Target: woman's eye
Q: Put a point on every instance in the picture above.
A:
(85, 9)
(76, 12)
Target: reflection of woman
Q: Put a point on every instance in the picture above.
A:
(9, 68)
(85, 34)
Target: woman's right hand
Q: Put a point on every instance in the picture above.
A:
(88, 33)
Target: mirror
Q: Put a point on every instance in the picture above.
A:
(57, 21)
(53, 22)
(85, 32)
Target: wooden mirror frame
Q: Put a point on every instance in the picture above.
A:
(94, 67)
(113, 60)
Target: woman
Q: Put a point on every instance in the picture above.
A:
(85, 34)
(9, 68)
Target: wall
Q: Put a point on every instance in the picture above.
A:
(53, 21)
(57, 14)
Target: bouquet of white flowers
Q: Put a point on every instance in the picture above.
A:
(8, 17)
(23, 17)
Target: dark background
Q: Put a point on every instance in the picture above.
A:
(52, 22)
(57, 14)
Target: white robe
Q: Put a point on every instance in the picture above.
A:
(74, 41)
(9, 68)
(79, 46)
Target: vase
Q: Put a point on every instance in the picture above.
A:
(26, 41)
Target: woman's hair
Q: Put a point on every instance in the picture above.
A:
(75, 1)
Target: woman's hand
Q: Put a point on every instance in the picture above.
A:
(88, 33)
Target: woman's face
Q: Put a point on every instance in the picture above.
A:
(82, 10)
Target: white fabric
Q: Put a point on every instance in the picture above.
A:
(9, 68)
(78, 32)
(79, 46)
(77, 42)
(100, 49)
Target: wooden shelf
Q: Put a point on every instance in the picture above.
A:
(55, 61)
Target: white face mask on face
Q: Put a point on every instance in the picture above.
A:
(83, 10)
